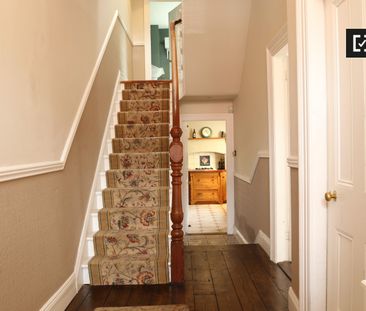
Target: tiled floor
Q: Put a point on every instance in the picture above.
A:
(211, 239)
(207, 219)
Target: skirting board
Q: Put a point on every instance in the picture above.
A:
(239, 234)
(62, 298)
(264, 241)
(293, 301)
(109, 121)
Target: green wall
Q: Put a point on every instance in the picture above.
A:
(158, 51)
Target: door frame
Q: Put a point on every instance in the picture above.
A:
(312, 122)
(280, 249)
(229, 118)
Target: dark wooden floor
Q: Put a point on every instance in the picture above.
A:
(224, 277)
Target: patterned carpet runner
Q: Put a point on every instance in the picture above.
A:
(132, 244)
(148, 308)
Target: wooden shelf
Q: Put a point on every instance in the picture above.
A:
(206, 138)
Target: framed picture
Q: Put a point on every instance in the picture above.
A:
(205, 160)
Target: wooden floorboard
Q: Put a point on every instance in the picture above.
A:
(218, 277)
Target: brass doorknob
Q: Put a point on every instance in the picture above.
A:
(330, 195)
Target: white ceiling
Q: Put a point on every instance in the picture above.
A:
(159, 12)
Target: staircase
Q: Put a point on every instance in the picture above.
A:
(131, 246)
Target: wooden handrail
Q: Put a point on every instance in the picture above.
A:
(176, 163)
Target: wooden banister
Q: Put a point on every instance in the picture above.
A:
(176, 163)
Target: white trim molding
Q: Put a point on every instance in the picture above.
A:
(293, 301)
(279, 143)
(293, 162)
(240, 235)
(249, 178)
(82, 253)
(32, 169)
(313, 144)
(21, 171)
(264, 241)
(63, 296)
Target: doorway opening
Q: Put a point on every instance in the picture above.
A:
(279, 136)
(161, 13)
(206, 177)
(212, 158)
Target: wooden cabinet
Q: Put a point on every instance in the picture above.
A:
(207, 187)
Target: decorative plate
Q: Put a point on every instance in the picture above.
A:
(206, 132)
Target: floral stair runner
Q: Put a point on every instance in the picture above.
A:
(132, 244)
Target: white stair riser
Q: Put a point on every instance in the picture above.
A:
(106, 163)
(94, 223)
(111, 131)
(98, 200)
(109, 147)
(103, 181)
(85, 274)
(90, 247)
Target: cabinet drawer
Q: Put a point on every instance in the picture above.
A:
(205, 196)
(206, 180)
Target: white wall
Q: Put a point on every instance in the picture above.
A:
(48, 51)
(200, 107)
(214, 35)
(159, 12)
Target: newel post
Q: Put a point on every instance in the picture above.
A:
(176, 162)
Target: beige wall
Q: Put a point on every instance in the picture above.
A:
(48, 51)
(214, 37)
(291, 28)
(137, 20)
(252, 203)
(201, 107)
(138, 38)
(250, 107)
(42, 216)
(139, 62)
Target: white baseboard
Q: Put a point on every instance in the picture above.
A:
(82, 249)
(264, 241)
(293, 301)
(241, 237)
(62, 298)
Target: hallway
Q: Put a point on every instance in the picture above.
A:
(218, 277)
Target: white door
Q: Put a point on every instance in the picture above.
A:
(347, 170)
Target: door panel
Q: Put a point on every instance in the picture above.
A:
(344, 273)
(347, 165)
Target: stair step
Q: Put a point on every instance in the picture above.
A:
(133, 218)
(135, 198)
(141, 130)
(130, 94)
(144, 105)
(134, 243)
(137, 178)
(129, 228)
(140, 145)
(146, 85)
(128, 270)
(143, 117)
(139, 160)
